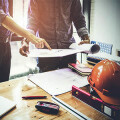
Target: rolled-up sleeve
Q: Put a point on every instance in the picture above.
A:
(33, 16)
(78, 18)
(2, 15)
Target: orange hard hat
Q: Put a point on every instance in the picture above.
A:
(105, 80)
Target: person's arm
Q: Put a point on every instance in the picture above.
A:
(24, 50)
(11, 25)
(33, 16)
(79, 21)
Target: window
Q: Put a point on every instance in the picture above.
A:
(20, 65)
(20, 8)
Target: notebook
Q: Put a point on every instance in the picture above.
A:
(80, 69)
(6, 105)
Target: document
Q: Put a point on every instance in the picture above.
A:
(51, 53)
(74, 48)
(5, 105)
(58, 81)
(87, 48)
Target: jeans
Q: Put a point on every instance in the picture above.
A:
(5, 61)
(48, 64)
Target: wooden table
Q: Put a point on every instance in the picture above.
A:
(25, 109)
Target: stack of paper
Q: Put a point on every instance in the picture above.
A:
(82, 70)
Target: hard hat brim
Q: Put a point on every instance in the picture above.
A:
(108, 99)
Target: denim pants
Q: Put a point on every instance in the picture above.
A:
(48, 64)
(5, 61)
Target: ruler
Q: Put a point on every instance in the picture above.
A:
(96, 103)
(70, 109)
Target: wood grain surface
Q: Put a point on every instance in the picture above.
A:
(25, 109)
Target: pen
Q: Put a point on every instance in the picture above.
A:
(34, 97)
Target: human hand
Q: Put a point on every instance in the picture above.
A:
(85, 40)
(24, 50)
(42, 43)
(39, 42)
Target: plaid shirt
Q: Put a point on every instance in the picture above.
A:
(53, 19)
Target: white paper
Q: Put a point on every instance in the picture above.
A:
(87, 48)
(75, 48)
(58, 81)
(5, 105)
(51, 53)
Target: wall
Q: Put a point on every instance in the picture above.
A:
(105, 22)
